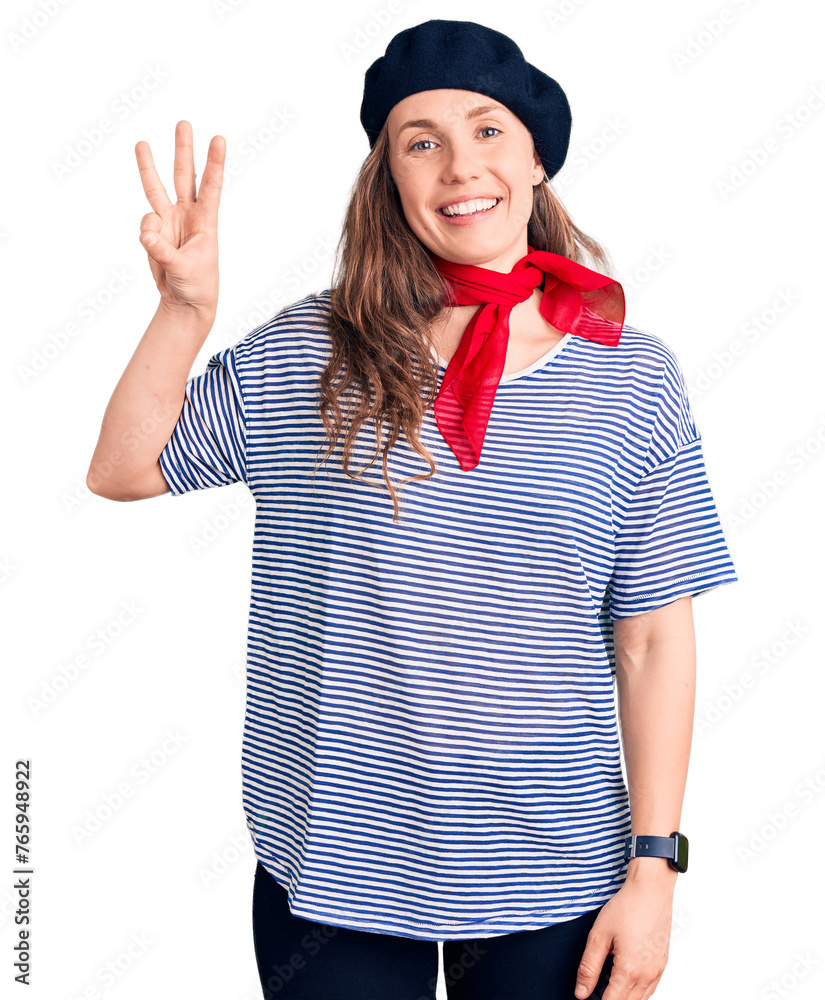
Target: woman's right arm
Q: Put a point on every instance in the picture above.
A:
(182, 246)
(145, 407)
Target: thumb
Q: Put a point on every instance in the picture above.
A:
(590, 968)
(158, 248)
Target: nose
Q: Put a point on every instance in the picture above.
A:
(460, 163)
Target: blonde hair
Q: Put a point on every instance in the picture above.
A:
(385, 295)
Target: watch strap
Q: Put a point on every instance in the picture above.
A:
(674, 848)
(651, 847)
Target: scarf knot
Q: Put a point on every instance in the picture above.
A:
(575, 300)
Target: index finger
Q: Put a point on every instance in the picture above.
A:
(155, 191)
(209, 192)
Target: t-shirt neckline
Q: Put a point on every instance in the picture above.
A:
(538, 363)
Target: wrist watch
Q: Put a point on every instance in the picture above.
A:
(674, 848)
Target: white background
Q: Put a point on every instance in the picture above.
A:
(696, 158)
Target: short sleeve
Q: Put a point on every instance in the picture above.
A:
(671, 543)
(208, 444)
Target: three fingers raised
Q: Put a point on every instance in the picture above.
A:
(184, 172)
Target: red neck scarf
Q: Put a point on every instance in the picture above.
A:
(575, 300)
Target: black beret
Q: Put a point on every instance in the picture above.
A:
(463, 55)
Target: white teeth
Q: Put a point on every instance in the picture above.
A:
(468, 207)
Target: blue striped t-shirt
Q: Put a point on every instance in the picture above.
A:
(430, 746)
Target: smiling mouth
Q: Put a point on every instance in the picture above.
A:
(467, 215)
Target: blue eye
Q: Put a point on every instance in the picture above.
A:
(489, 128)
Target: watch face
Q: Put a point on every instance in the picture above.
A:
(681, 862)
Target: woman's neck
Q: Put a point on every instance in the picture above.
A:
(529, 330)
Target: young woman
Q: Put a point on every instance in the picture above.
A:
(431, 748)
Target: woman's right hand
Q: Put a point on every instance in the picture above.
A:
(181, 240)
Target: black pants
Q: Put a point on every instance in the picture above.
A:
(300, 959)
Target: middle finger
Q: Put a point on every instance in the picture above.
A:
(184, 162)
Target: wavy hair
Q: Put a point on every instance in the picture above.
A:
(385, 296)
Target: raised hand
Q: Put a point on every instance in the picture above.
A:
(181, 240)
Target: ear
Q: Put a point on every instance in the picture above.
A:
(538, 169)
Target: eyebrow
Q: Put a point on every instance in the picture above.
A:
(483, 109)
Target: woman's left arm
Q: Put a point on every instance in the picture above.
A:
(656, 681)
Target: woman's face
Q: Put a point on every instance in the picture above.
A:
(444, 150)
